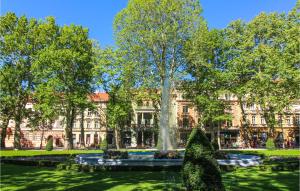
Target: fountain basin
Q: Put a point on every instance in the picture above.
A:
(146, 159)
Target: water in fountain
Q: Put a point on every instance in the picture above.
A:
(164, 116)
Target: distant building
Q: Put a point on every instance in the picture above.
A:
(142, 130)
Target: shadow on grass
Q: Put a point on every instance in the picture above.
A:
(254, 179)
(15, 177)
(34, 178)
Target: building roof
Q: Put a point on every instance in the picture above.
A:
(99, 97)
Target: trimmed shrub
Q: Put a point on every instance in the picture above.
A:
(85, 168)
(270, 145)
(167, 155)
(49, 145)
(75, 167)
(103, 144)
(200, 170)
(61, 166)
(115, 155)
(46, 163)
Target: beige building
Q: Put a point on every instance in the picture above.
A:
(142, 132)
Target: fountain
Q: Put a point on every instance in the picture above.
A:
(164, 116)
(164, 157)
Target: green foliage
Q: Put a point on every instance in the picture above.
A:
(263, 63)
(270, 145)
(75, 167)
(49, 145)
(61, 166)
(115, 154)
(22, 39)
(215, 144)
(103, 144)
(200, 170)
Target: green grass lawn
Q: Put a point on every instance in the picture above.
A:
(283, 153)
(15, 177)
(11, 153)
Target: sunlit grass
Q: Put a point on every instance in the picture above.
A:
(282, 152)
(15, 177)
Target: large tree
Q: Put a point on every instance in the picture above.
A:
(66, 67)
(21, 40)
(153, 34)
(263, 64)
(208, 78)
(117, 79)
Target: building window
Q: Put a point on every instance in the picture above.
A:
(288, 120)
(229, 123)
(88, 139)
(253, 119)
(89, 113)
(252, 106)
(297, 119)
(148, 103)
(262, 120)
(88, 124)
(97, 114)
(280, 120)
(185, 109)
(96, 139)
(74, 138)
(185, 122)
(61, 123)
(96, 124)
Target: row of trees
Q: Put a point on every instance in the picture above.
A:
(161, 45)
(43, 63)
(258, 62)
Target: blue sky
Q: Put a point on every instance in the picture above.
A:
(98, 15)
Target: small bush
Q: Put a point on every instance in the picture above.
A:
(115, 155)
(200, 170)
(75, 167)
(103, 144)
(263, 167)
(270, 145)
(167, 155)
(61, 166)
(49, 145)
(85, 168)
(228, 168)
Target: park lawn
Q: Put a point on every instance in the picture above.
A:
(279, 152)
(15, 177)
(16, 153)
(12, 153)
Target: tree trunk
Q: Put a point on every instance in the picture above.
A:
(17, 134)
(3, 132)
(82, 143)
(68, 130)
(117, 141)
(42, 137)
(218, 136)
(244, 125)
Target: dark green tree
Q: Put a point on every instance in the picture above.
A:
(49, 145)
(21, 41)
(200, 169)
(208, 80)
(66, 67)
